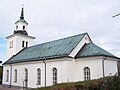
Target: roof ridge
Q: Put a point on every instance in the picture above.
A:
(58, 39)
(52, 49)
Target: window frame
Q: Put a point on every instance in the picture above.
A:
(23, 27)
(11, 44)
(26, 43)
(15, 77)
(7, 75)
(87, 73)
(38, 76)
(26, 77)
(55, 75)
(23, 44)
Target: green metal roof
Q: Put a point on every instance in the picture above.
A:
(91, 49)
(57, 49)
(53, 49)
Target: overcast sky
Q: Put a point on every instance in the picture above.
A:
(53, 19)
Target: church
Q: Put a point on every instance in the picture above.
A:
(71, 59)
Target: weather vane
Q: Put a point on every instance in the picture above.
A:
(22, 5)
(115, 15)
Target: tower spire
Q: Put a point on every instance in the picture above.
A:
(22, 14)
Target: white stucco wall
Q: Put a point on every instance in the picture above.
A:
(17, 43)
(77, 65)
(110, 66)
(20, 25)
(69, 70)
(32, 67)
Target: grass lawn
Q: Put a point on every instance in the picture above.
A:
(107, 83)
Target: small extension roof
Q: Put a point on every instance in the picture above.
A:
(91, 49)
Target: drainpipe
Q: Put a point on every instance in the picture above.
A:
(10, 75)
(45, 72)
(103, 66)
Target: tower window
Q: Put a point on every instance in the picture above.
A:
(26, 44)
(11, 44)
(23, 42)
(17, 27)
(23, 27)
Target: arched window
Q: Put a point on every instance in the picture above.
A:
(38, 76)
(11, 44)
(7, 76)
(23, 42)
(54, 76)
(15, 76)
(23, 27)
(26, 44)
(87, 73)
(26, 78)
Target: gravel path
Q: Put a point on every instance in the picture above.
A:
(4, 87)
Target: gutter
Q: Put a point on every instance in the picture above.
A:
(103, 67)
(10, 75)
(45, 72)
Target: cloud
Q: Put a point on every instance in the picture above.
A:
(52, 19)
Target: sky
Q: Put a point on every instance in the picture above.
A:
(54, 19)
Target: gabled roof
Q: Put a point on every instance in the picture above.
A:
(58, 49)
(91, 49)
(53, 49)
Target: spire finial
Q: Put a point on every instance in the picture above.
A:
(22, 12)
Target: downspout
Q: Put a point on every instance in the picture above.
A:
(45, 72)
(10, 75)
(103, 66)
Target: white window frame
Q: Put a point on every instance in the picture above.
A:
(55, 74)
(87, 74)
(15, 77)
(26, 77)
(7, 75)
(38, 76)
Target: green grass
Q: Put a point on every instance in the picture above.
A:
(108, 83)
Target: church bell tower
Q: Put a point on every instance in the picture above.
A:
(20, 38)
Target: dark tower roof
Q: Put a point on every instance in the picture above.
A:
(22, 14)
(21, 32)
(21, 17)
(24, 32)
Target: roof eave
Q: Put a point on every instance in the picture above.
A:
(36, 59)
(98, 56)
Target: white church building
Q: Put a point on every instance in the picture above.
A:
(70, 59)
